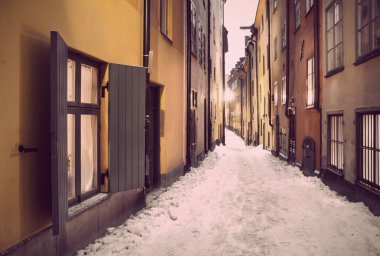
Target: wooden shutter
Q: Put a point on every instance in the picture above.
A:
(127, 87)
(58, 129)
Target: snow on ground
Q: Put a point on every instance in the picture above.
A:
(244, 201)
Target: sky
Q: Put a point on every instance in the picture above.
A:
(237, 13)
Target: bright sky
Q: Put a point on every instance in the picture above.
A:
(237, 13)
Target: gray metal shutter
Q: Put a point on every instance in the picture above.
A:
(127, 87)
(58, 130)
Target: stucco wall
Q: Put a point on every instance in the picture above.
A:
(111, 32)
(357, 86)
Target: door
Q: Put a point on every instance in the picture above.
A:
(152, 169)
(308, 155)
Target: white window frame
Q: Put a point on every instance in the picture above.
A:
(283, 90)
(310, 82)
(337, 47)
(275, 93)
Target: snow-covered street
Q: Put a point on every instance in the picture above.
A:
(244, 201)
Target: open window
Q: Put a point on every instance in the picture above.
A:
(76, 118)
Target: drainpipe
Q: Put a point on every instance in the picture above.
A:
(317, 75)
(287, 73)
(257, 98)
(188, 83)
(146, 34)
(209, 73)
(269, 72)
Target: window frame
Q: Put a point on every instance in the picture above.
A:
(193, 24)
(308, 6)
(375, 112)
(297, 14)
(275, 48)
(336, 68)
(283, 35)
(78, 109)
(275, 93)
(338, 168)
(373, 52)
(283, 90)
(312, 76)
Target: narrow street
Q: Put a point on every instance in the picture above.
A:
(244, 201)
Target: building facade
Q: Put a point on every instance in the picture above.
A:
(350, 114)
(303, 102)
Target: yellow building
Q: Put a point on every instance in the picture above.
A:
(167, 79)
(59, 148)
(264, 99)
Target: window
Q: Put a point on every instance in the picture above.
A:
(165, 17)
(368, 22)
(283, 142)
(275, 48)
(213, 27)
(335, 142)
(369, 148)
(283, 35)
(275, 95)
(283, 90)
(83, 112)
(263, 65)
(275, 5)
(297, 13)
(310, 83)
(309, 4)
(200, 42)
(259, 54)
(262, 23)
(193, 29)
(334, 35)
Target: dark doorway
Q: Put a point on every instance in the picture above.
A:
(308, 156)
(292, 138)
(205, 126)
(193, 128)
(152, 140)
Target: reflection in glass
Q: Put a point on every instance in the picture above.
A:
(71, 155)
(89, 84)
(89, 152)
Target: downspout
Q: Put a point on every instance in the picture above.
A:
(250, 90)
(269, 72)
(209, 73)
(317, 75)
(224, 81)
(257, 97)
(146, 35)
(188, 83)
(241, 108)
(287, 74)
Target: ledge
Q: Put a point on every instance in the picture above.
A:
(88, 203)
(334, 171)
(368, 187)
(367, 57)
(334, 71)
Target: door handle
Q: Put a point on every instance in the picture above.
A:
(23, 149)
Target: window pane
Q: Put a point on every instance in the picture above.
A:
(330, 39)
(364, 40)
(338, 14)
(89, 152)
(339, 56)
(330, 60)
(71, 156)
(376, 8)
(330, 18)
(338, 33)
(363, 13)
(89, 84)
(70, 80)
(376, 33)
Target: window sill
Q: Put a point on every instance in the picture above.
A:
(368, 187)
(310, 107)
(334, 71)
(297, 28)
(367, 57)
(334, 171)
(194, 55)
(86, 204)
(167, 38)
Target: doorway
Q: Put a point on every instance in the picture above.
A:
(152, 137)
(308, 156)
